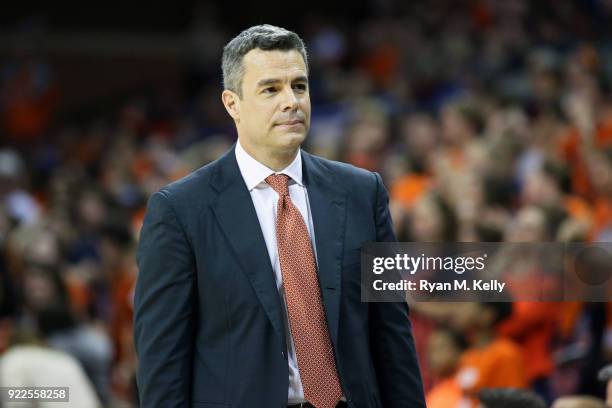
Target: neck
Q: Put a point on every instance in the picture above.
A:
(276, 160)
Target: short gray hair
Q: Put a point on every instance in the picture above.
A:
(265, 37)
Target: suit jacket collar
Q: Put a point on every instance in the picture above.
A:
(254, 172)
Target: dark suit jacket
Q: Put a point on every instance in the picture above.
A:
(209, 319)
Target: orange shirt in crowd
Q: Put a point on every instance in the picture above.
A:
(499, 364)
(447, 394)
(570, 150)
(532, 326)
(408, 189)
(578, 208)
(27, 111)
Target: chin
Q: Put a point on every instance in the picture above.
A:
(292, 140)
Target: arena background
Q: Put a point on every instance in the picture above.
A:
(488, 120)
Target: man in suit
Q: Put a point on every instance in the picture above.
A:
(248, 292)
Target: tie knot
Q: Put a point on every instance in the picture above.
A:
(280, 183)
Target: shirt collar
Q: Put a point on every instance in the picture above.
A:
(254, 172)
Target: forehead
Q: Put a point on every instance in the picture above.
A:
(276, 64)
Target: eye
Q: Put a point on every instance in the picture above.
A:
(269, 90)
(300, 87)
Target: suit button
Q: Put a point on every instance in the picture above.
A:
(283, 354)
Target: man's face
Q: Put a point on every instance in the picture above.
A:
(273, 115)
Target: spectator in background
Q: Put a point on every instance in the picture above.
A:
(431, 219)
(367, 136)
(491, 361)
(458, 162)
(32, 362)
(531, 324)
(119, 277)
(419, 134)
(28, 92)
(444, 349)
(47, 305)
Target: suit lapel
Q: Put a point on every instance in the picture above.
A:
(328, 207)
(236, 214)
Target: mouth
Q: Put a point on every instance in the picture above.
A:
(290, 123)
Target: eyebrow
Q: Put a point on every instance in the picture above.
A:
(272, 81)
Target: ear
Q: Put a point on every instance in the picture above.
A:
(231, 101)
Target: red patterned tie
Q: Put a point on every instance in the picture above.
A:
(306, 315)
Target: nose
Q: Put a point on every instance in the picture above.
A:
(290, 101)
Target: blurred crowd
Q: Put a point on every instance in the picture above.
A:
(489, 121)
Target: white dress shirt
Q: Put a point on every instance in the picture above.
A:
(265, 200)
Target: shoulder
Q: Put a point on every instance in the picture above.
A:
(188, 196)
(194, 189)
(349, 176)
(195, 182)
